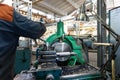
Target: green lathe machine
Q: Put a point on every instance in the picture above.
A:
(62, 57)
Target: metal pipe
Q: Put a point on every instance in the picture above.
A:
(101, 32)
(113, 69)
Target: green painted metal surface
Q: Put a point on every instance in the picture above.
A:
(69, 40)
(60, 29)
(22, 60)
(41, 74)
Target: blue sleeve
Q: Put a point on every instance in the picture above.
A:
(26, 27)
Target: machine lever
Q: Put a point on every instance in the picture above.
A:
(65, 53)
(35, 42)
(42, 40)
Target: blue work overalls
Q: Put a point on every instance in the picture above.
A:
(12, 26)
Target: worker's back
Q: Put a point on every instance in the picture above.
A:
(12, 26)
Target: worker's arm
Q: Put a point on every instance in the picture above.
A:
(27, 28)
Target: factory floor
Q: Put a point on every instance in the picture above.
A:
(92, 57)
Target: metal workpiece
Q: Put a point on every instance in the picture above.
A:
(61, 47)
(66, 53)
(49, 56)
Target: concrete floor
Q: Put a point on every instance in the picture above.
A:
(93, 58)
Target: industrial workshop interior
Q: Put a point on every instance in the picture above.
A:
(81, 41)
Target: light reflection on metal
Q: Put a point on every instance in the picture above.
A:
(82, 16)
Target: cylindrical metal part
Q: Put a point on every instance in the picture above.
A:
(47, 60)
(113, 69)
(49, 77)
(65, 53)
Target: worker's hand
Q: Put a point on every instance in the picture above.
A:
(36, 44)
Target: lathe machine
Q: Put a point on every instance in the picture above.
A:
(62, 57)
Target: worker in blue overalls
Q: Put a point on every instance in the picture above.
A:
(12, 26)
